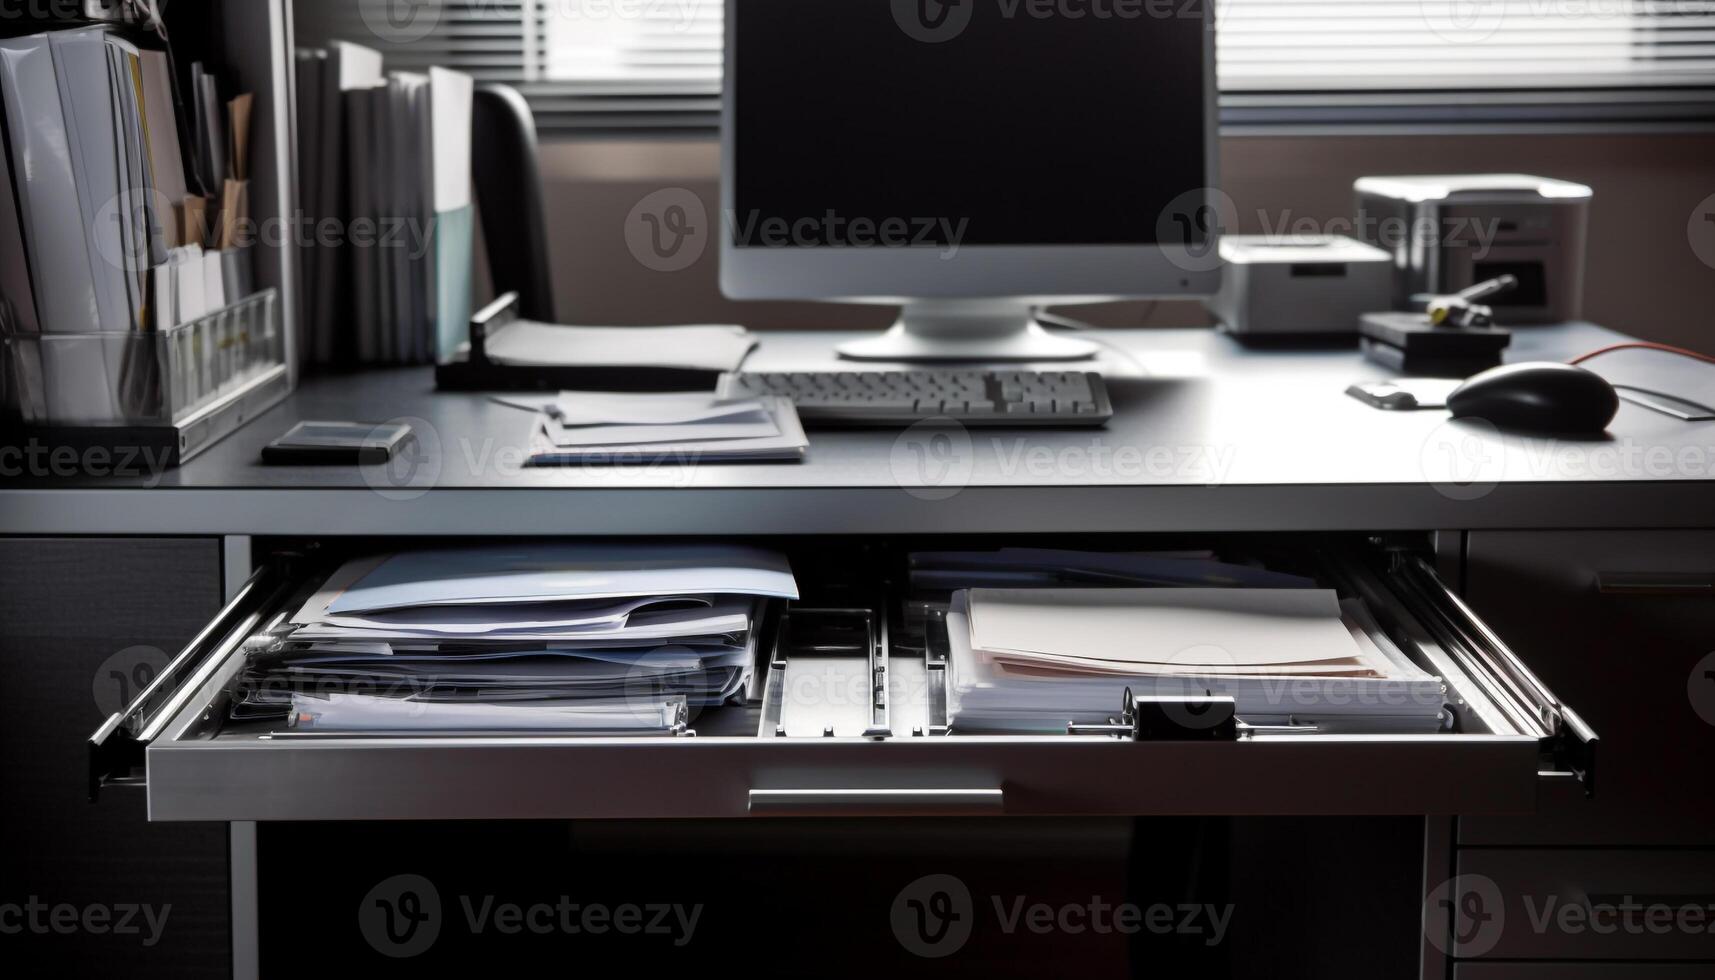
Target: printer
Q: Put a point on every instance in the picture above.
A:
(1447, 233)
(1279, 285)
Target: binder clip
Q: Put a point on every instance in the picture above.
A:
(1174, 718)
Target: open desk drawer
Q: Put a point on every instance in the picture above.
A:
(882, 756)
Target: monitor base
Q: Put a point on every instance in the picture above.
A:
(968, 331)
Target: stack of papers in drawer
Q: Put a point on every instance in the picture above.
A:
(1036, 660)
(585, 427)
(520, 625)
(1013, 568)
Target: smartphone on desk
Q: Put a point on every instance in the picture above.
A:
(337, 443)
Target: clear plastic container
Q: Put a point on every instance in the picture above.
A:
(141, 379)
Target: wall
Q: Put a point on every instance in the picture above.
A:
(1643, 276)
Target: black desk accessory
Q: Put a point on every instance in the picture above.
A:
(1455, 336)
(470, 368)
(337, 443)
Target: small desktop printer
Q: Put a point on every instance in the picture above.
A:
(1448, 233)
(1279, 285)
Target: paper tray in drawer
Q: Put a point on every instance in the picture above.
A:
(1510, 730)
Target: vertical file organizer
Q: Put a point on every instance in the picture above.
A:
(176, 390)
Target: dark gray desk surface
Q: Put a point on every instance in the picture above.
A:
(1207, 436)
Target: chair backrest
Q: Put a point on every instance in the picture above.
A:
(508, 182)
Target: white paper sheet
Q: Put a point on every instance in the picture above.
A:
(574, 408)
(1187, 627)
(455, 620)
(557, 572)
(361, 713)
(981, 697)
(698, 348)
(758, 425)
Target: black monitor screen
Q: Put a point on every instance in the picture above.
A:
(981, 122)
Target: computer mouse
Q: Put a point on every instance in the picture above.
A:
(1539, 396)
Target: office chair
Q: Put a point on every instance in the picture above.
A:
(509, 195)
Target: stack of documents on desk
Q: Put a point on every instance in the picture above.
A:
(1035, 660)
(519, 626)
(585, 427)
(714, 348)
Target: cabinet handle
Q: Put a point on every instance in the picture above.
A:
(1656, 583)
(900, 802)
(1672, 901)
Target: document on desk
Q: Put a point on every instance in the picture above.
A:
(718, 348)
(608, 428)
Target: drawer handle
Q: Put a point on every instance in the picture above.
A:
(1656, 583)
(1606, 901)
(899, 802)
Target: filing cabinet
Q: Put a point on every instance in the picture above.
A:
(82, 620)
(1618, 622)
(1595, 904)
(1582, 971)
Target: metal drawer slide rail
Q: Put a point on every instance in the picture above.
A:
(116, 750)
(1568, 743)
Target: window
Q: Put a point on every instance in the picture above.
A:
(655, 65)
(1504, 63)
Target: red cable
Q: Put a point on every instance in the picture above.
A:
(1643, 345)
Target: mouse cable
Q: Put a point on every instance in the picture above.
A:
(1643, 345)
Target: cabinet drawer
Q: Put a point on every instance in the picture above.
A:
(1622, 624)
(1587, 904)
(1506, 732)
(1584, 971)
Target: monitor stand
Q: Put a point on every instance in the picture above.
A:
(968, 330)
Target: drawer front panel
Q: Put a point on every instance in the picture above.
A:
(471, 779)
(83, 621)
(1587, 904)
(1622, 625)
(1584, 971)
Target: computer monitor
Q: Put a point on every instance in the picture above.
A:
(971, 160)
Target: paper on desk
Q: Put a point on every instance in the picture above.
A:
(656, 408)
(559, 572)
(1250, 628)
(697, 348)
(621, 435)
(704, 442)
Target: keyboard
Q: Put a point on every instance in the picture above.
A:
(901, 398)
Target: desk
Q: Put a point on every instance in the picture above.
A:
(1214, 438)
(1208, 438)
